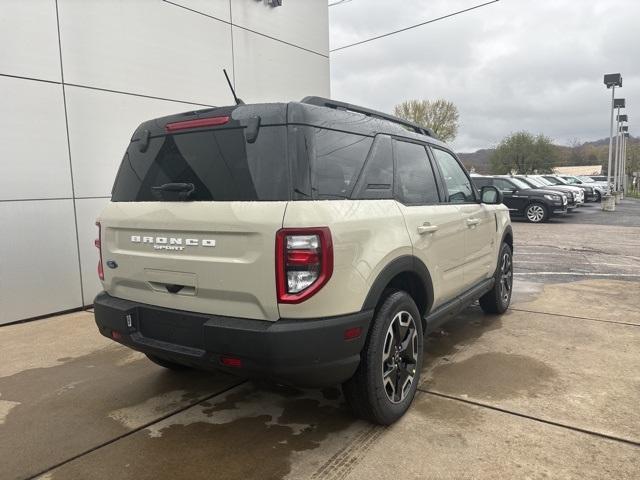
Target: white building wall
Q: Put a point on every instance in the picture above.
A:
(77, 77)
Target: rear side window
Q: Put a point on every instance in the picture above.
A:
(376, 179)
(457, 182)
(219, 163)
(504, 185)
(415, 181)
(327, 163)
(481, 182)
(336, 162)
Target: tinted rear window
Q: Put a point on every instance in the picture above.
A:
(220, 164)
(328, 162)
(481, 182)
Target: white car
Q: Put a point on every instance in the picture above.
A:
(309, 243)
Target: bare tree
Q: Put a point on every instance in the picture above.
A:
(441, 116)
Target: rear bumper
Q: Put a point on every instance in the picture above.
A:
(309, 353)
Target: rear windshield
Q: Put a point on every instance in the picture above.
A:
(220, 164)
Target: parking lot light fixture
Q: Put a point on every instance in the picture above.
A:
(611, 80)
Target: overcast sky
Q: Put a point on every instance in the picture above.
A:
(512, 65)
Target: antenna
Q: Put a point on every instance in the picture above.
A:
(238, 100)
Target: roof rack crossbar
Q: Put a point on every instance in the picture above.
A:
(326, 102)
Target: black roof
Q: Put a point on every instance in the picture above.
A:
(313, 111)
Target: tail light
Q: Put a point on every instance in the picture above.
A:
(304, 262)
(98, 244)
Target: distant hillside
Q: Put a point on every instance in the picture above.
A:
(478, 161)
(587, 153)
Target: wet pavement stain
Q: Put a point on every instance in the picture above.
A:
(596, 299)
(525, 291)
(494, 375)
(457, 333)
(63, 410)
(448, 411)
(250, 433)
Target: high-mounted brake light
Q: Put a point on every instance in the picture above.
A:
(304, 262)
(197, 123)
(98, 244)
(231, 361)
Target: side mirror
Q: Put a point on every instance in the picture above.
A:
(490, 195)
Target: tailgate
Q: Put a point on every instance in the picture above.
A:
(194, 213)
(208, 257)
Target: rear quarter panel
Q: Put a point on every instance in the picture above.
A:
(366, 236)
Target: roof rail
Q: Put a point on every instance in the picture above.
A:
(326, 102)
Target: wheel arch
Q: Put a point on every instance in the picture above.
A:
(507, 237)
(407, 273)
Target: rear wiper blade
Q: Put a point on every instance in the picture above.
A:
(173, 191)
(333, 195)
(304, 194)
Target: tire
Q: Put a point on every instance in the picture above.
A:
(167, 363)
(598, 197)
(386, 380)
(536, 212)
(497, 299)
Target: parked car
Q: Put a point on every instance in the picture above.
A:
(575, 189)
(599, 178)
(575, 196)
(536, 205)
(310, 243)
(591, 182)
(592, 192)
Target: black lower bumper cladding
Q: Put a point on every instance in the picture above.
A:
(309, 352)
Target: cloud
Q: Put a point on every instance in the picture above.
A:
(513, 65)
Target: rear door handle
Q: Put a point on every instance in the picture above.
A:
(472, 222)
(426, 228)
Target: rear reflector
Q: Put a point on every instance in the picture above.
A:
(116, 335)
(352, 333)
(197, 123)
(231, 362)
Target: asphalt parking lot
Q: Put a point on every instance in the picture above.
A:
(549, 390)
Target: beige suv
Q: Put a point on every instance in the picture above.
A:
(311, 243)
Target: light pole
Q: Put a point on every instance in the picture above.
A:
(626, 142)
(623, 157)
(611, 80)
(617, 103)
(619, 148)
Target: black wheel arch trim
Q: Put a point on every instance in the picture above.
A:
(402, 264)
(508, 231)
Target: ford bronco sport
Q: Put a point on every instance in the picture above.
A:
(310, 243)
